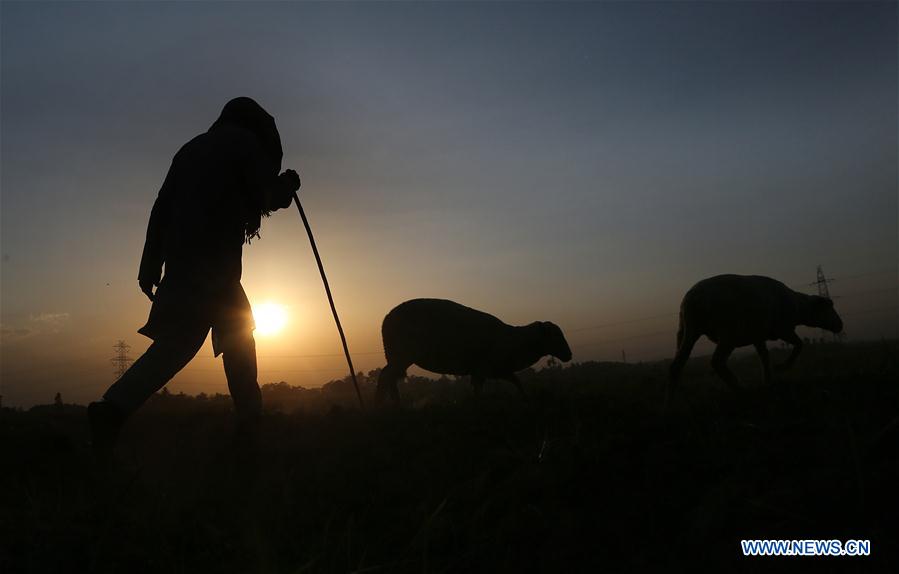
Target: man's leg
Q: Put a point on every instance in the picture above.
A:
(162, 360)
(239, 358)
(232, 335)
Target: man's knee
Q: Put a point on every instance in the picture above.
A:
(234, 343)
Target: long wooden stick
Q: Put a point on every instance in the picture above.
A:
(321, 269)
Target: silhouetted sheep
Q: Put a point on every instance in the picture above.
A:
(446, 337)
(738, 310)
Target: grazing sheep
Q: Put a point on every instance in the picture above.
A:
(449, 338)
(738, 310)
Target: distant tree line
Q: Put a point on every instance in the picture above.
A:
(603, 377)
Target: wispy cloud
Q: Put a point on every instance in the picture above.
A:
(37, 324)
(51, 322)
(7, 332)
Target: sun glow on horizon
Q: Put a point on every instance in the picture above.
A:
(270, 318)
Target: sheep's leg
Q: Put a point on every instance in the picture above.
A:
(793, 339)
(515, 381)
(477, 383)
(762, 349)
(719, 363)
(387, 382)
(685, 347)
(685, 342)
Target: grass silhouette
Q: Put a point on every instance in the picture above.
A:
(591, 473)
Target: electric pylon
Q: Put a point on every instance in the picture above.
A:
(824, 291)
(822, 282)
(121, 360)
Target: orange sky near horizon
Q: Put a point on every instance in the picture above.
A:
(581, 163)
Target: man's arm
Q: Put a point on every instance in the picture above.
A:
(153, 256)
(268, 190)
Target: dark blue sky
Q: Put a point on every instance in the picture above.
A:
(577, 162)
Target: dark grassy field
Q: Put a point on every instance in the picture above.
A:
(590, 474)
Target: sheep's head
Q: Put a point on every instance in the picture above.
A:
(553, 341)
(821, 314)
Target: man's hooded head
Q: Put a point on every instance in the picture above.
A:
(247, 114)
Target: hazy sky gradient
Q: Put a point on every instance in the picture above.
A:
(580, 163)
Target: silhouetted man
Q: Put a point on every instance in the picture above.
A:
(218, 188)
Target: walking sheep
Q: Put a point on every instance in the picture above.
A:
(448, 338)
(738, 310)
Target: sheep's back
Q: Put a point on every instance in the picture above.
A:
(439, 335)
(738, 309)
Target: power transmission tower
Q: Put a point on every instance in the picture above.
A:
(824, 291)
(822, 282)
(121, 360)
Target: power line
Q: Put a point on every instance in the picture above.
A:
(262, 370)
(637, 336)
(857, 275)
(868, 292)
(872, 310)
(615, 324)
(309, 356)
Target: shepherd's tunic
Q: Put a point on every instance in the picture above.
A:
(209, 205)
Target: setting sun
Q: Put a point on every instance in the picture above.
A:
(270, 318)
